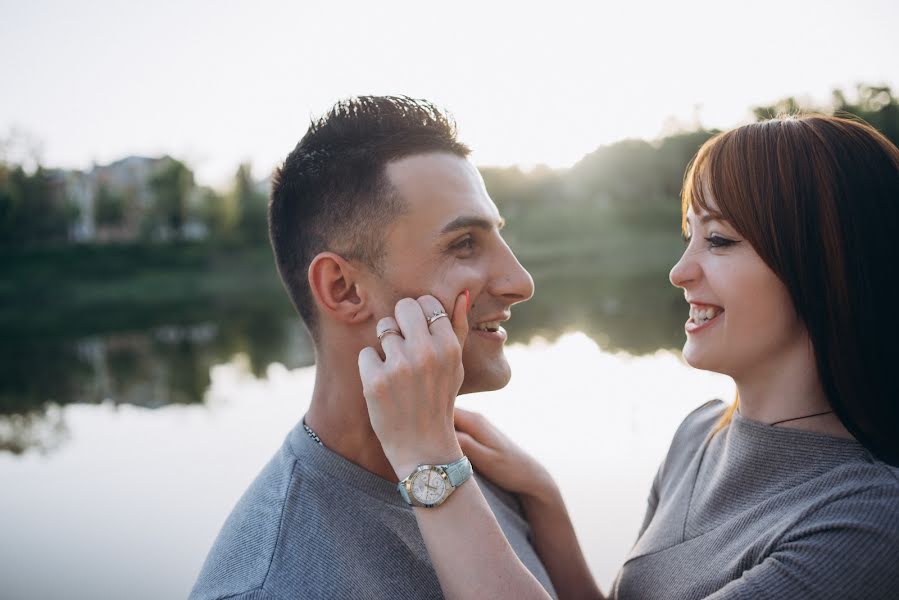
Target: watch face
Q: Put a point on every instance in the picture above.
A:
(428, 486)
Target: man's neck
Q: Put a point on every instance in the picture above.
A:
(339, 416)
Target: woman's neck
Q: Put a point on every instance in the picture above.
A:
(789, 394)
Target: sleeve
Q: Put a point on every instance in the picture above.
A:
(652, 502)
(846, 549)
(686, 437)
(257, 594)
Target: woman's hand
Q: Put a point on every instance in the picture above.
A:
(410, 394)
(500, 460)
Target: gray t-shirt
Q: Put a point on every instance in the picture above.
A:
(762, 512)
(315, 525)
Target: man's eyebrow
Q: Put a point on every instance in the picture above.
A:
(466, 222)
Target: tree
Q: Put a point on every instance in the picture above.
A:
(171, 186)
(783, 107)
(625, 172)
(874, 104)
(109, 207)
(251, 206)
(31, 209)
(217, 212)
(674, 155)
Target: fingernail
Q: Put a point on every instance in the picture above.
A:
(467, 301)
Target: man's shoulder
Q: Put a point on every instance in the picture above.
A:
(241, 555)
(301, 528)
(314, 522)
(502, 502)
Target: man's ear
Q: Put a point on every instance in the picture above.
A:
(334, 284)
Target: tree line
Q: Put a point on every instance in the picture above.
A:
(635, 179)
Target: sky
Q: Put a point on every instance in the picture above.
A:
(216, 83)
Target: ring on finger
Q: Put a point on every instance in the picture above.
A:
(438, 314)
(388, 332)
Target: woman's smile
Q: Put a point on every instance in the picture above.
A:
(702, 316)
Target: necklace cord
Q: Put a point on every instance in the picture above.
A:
(797, 418)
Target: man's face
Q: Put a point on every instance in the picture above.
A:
(448, 240)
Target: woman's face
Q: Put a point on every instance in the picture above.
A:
(742, 321)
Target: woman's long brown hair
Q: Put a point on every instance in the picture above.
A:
(817, 197)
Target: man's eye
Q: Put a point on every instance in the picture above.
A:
(716, 241)
(466, 243)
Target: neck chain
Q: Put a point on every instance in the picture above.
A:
(797, 418)
(312, 434)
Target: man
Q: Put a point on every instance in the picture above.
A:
(376, 203)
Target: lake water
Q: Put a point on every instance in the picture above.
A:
(121, 453)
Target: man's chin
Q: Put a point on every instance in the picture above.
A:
(486, 380)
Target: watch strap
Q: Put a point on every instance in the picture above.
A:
(458, 472)
(401, 486)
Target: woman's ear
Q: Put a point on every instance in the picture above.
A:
(335, 286)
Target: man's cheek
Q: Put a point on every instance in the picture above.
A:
(453, 282)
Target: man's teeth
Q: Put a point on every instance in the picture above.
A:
(488, 326)
(700, 315)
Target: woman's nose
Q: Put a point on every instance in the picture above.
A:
(684, 271)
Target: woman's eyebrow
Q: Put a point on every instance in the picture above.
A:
(706, 218)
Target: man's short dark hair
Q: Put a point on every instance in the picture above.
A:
(332, 192)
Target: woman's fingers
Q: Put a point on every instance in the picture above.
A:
(476, 452)
(390, 335)
(497, 458)
(465, 419)
(370, 365)
(460, 317)
(476, 425)
(446, 343)
(411, 318)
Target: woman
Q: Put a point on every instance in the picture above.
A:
(791, 492)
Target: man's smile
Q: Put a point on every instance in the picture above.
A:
(491, 327)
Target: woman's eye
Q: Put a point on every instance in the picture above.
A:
(716, 241)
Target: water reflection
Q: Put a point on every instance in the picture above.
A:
(157, 366)
(156, 363)
(146, 490)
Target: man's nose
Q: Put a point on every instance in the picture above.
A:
(509, 279)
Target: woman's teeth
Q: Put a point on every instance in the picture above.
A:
(700, 315)
(488, 326)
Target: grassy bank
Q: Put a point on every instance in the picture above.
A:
(77, 290)
(93, 288)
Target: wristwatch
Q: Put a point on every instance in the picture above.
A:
(431, 485)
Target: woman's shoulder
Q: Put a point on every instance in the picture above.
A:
(868, 477)
(861, 502)
(689, 437)
(705, 415)
(697, 425)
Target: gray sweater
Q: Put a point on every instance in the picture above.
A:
(761, 512)
(315, 525)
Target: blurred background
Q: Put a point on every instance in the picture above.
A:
(150, 362)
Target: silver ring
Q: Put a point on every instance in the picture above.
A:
(388, 332)
(438, 314)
